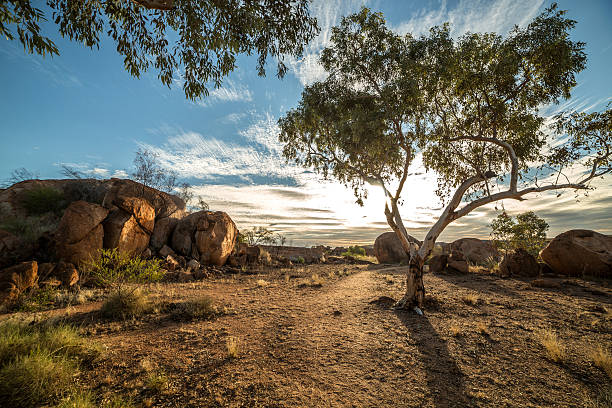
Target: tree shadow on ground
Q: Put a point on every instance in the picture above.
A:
(445, 379)
(491, 284)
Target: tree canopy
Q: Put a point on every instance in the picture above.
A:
(196, 41)
(469, 106)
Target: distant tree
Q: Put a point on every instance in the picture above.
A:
(147, 169)
(185, 192)
(202, 205)
(470, 107)
(281, 239)
(259, 236)
(18, 175)
(71, 172)
(195, 41)
(527, 232)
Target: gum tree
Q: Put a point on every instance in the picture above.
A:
(469, 106)
(196, 41)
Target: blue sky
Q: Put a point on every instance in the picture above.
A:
(83, 109)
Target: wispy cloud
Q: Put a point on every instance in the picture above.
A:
(57, 72)
(328, 13)
(230, 91)
(257, 154)
(473, 16)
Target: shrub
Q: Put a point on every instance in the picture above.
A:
(126, 303)
(354, 251)
(31, 228)
(300, 260)
(551, 343)
(112, 267)
(36, 378)
(42, 200)
(200, 308)
(527, 232)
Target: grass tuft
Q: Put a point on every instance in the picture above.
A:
(126, 303)
(602, 359)
(202, 307)
(232, 347)
(36, 379)
(157, 382)
(471, 299)
(555, 350)
(483, 328)
(455, 330)
(261, 283)
(80, 399)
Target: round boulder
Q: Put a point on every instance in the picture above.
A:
(580, 252)
(79, 234)
(475, 250)
(388, 248)
(519, 263)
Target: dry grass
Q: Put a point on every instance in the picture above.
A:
(470, 299)
(554, 348)
(455, 330)
(483, 328)
(315, 281)
(199, 308)
(126, 303)
(233, 347)
(262, 283)
(602, 359)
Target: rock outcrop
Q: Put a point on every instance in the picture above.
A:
(438, 263)
(579, 253)
(519, 263)
(475, 250)
(80, 233)
(16, 279)
(388, 248)
(206, 236)
(162, 232)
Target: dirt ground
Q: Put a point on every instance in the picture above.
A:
(342, 345)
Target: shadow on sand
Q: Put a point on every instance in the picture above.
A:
(444, 378)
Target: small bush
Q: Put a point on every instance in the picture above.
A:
(261, 283)
(43, 200)
(31, 228)
(300, 260)
(455, 330)
(126, 303)
(602, 359)
(232, 347)
(34, 300)
(199, 308)
(552, 345)
(111, 266)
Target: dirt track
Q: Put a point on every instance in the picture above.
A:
(341, 345)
